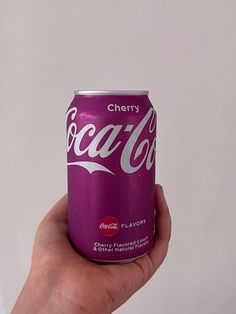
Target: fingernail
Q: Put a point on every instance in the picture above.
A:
(161, 188)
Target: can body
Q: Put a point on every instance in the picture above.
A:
(111, 175)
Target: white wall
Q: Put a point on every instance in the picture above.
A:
(184, 53)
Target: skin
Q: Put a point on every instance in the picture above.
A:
(62, 281)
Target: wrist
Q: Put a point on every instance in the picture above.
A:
(47, 293)
(42, 294)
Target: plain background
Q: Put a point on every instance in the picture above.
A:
(184, 53)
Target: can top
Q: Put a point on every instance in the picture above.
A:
(112, 92)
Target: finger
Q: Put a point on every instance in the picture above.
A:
(163, 219)
(58, 213)
(52, 233)
(55, 221)
(163, 229)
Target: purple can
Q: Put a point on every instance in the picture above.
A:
(111, 139)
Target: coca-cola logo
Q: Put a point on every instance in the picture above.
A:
(109, 226)
(132, 149)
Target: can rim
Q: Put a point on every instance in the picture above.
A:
(112, 92)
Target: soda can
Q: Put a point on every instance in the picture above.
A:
(111, 147)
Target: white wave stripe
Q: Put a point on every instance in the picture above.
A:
(90, 166)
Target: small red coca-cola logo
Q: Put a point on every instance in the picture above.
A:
(109, 226)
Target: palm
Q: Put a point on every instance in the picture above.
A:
(81, 278)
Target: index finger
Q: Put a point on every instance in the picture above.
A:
(58, 213)
(163, 229)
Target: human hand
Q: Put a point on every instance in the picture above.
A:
(62, 281)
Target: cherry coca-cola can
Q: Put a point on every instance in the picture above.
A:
(111, 139)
